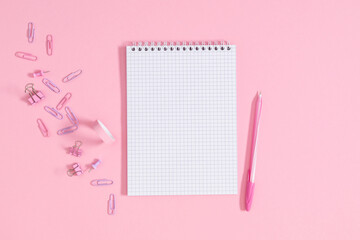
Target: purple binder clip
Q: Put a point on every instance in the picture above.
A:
(75, 170)
(35, 96)
(75, 150)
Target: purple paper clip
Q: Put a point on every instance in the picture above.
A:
(30, 32)
(75, 170)
(49, 44)
(51, 85)
(67, 130)
(26, 56)
(63, 101)
(72, 76)
(53, 112)
(39, 73)
(101, 182)
(71, 116)
(35, 96)
(111, 204)
(42, 127)
(75, 150)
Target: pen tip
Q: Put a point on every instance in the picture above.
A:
(259, 93)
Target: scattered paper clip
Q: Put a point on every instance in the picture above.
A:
(75, 150)
(26, 56)
(95, 164)
(39, 73)
(53, 112)
(42, 127)
(71, 116)
(63, 101)
(101, 182)
(111, 204)
(30, 32)
(72, 76)
(67, 130)
(49, 44)
(75, 170)
(35, 96)
(51, 85)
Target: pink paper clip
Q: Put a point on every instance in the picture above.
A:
(111, 204)
(30, 32)
(75, 150)
(26, 56)
(63, 101)
(39, 73)
(35, 96)
(51, 85)
(101, 182)
(95, 164)
(72, 76)
(42, 127)
(75, 170)
(71, 116)
(67, 130)
(53, 112)
(49, 44)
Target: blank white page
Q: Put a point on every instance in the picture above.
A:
(181, 120)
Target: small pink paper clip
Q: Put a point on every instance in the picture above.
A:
(71, 116)
(63, 101)
(49, 44)
(75, 170)
(30, 32)
(51, 85)
(35, 96)
(67, 130)
(75, 150)
(26, 56)
(72, 76)
(42, 127)
(101, 182)
(53, 112)
(111, 204)
(95, 164)
(39, 73)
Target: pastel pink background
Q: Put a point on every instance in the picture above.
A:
(303, 55)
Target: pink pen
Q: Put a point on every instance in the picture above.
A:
(251, 174)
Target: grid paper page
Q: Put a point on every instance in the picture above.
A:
(181, 120)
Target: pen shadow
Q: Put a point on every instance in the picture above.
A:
(123, 118)
(247, 163)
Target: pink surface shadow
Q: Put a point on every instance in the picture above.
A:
(247, 155)
(123, 110)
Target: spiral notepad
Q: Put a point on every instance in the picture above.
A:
(181, 119)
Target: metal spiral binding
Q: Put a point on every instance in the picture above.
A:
(181, 46)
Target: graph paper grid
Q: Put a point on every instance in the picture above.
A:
(181, 120)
